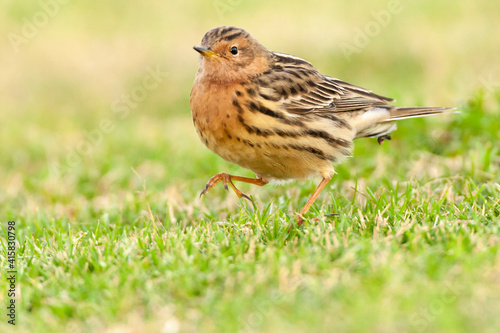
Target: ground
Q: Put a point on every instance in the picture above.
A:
(101, 171)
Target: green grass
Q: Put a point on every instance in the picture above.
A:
(113, 237)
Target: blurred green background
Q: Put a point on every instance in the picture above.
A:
(71, 69)
(77, 151)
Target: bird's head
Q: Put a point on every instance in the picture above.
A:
(231, 55)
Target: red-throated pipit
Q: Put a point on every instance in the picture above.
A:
(278, 116)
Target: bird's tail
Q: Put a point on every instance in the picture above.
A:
(397, 113)
(380, 121)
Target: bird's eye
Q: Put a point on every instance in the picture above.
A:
(234, 50)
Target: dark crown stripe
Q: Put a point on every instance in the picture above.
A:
(232, 36)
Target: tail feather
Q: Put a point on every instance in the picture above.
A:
(397, 113)
(381, 120)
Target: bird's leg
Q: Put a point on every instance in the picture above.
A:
(228, 179)
(311, 200)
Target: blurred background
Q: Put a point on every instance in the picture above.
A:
(91, 91)
(97, 143)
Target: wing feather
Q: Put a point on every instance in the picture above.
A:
(300, 88)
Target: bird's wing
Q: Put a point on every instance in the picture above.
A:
(300, 88)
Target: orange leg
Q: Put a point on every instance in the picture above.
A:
(228, 179)
(311, 200)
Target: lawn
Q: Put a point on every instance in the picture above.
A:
(102, 174)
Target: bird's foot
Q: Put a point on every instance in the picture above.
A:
(226, 180)
(300, 221)
(381, 139)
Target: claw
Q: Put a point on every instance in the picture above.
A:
(381, 139)
(211, 183)
(248, 198)
(238, 192)
(205, 190)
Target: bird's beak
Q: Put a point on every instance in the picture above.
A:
(205, 51)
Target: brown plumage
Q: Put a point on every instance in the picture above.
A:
(278, 116)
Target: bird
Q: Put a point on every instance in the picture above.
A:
(279, 116)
